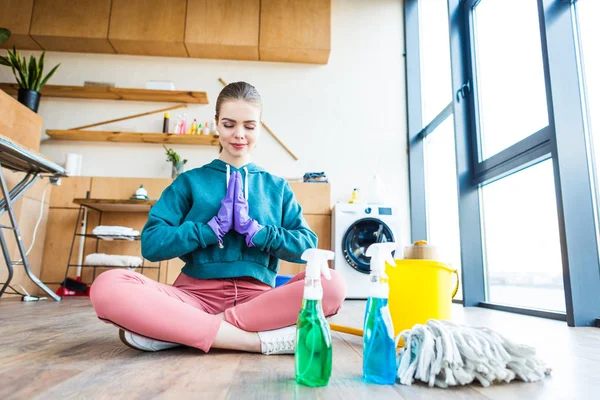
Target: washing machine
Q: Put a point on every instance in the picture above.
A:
(354, 228)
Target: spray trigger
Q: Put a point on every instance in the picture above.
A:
(380, 254)
(317, 262)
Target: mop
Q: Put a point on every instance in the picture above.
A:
(443, 354)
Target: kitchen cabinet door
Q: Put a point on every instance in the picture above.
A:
(75, 26)
(295, 31)
(223, 29)
(15, 15)
(148, 27)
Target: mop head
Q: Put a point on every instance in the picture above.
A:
(444, 354)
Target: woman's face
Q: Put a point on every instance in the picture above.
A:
(239, 127)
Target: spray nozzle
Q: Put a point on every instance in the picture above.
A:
(316, 260)
(381, 253)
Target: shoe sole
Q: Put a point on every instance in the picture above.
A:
(126, 343)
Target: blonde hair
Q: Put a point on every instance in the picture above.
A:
(237, 91)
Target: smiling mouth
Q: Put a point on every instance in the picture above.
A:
(238, 145)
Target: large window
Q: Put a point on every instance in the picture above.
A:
(522, 244)
(436, 86)
(436, 131)
(504, 163)
(510, 73)
(441, 193)
(588, 12)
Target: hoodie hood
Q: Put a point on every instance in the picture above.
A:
(222, 166)
(245, 170)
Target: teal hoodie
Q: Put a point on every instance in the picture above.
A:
(177, 225)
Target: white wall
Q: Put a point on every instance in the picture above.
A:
(347, 118)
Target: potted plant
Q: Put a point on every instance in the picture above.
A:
(4, 35)
(29, 75)
(178, 163)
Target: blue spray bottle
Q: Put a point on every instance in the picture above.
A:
(379, 350)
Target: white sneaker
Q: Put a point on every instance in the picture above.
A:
(278, 341)
(138, 342)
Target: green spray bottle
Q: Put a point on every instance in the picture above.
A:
(313, 336)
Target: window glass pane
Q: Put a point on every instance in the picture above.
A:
(434, 42)
(588, 12)
(510, 73)
(442, 193)
(522, 244)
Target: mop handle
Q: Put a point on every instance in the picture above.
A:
(346, 329)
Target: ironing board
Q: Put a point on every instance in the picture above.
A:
(20, 159)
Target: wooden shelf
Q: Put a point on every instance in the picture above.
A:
(132, 137)
(117, 205)
(84, 92)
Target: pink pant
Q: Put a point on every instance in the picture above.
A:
(185, 312)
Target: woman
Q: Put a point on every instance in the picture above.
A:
(230, 221)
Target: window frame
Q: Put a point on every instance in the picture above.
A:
(563, 140)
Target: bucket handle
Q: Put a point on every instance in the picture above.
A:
(457, 281)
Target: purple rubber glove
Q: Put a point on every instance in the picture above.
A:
(223, 221)
(242, 222)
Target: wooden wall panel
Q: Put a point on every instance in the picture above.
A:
(15, 15)
(61, 226)
(174, 269)
(64, 25)
(27, 212)
(19, 123)
(225, 29)
(295, 31)
(69, 189)
(148, 27)
(315, 198)
(321, 225)
(124, 188)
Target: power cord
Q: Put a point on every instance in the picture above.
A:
(37, 224)
(24, 296)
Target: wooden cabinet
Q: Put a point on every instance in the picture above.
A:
(75, 187)
(67, 25)
(267, 30)
(19, 123)
(27, 211)
(148, 27)
(295, 31)
(226, 29)
(124, 188)
(315, 199)
(15, 15)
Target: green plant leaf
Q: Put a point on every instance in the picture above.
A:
(23, 70)
(14, 61)
(4, 61)
(40, 71)
(15, 58)
(52, 71)
(31, 73)
(4, 35)
(16, 76)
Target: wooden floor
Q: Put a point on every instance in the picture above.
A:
(61, 350)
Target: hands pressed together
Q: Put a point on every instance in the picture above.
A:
(234, 213)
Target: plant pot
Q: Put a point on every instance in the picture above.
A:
(29, 98)
(176, 169)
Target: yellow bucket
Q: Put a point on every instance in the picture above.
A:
(420, 290)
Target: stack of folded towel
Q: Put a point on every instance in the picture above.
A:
(111, 260)
(115, 232)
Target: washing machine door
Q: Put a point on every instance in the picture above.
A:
(359, 236)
